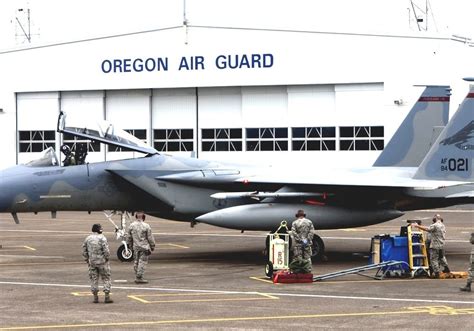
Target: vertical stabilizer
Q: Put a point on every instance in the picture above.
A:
(414, 137)
(451, 157)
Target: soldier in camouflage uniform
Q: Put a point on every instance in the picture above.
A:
(467, 288)
(95, 251)
(437, 254)
(141, 239)
(302, 232)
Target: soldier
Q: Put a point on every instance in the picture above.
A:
(437, 254)
(302, 231)
(141, 239)
(470, 271)
(95, 251)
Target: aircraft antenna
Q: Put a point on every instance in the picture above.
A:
(421, 10)
(23, 24)
(185, 23)
(26, 31)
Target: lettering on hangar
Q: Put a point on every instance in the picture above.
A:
(187, 63)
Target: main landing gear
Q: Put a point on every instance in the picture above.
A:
(124, 253)
(317, 249)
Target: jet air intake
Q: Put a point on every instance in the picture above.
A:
(267, 216)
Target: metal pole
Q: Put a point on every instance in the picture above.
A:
(197, 122)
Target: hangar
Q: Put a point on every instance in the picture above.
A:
(240, 94)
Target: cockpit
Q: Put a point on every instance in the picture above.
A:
(75, 154)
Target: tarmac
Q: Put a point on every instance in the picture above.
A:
(213, 279)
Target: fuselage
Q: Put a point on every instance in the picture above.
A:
(181, 189)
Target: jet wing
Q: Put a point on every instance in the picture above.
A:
(317, 180)
(106, 133)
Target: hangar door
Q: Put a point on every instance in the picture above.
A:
(37, 116)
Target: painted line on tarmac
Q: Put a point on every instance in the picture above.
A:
(265, 280)
(211, 234)
(430, 310)
(172, 246)
(197, 297)
(48, 231)
(277, 294)
(214, 235)
(30, 248)
(444, 211)
(34, 256)
(37, 263)
(360, 238)
(7, 248)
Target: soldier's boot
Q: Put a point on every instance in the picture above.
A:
(107, 298)
(96, 297)
(140, 280)
(446, 270)
(466, 288)
(435, 275)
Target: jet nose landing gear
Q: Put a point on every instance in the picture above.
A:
(124, 253)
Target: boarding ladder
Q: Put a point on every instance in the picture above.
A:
(417, 255)
(382, 269)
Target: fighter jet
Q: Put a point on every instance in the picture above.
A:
(255, 197)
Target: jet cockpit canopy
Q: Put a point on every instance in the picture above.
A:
(47, 158)
(105, 132)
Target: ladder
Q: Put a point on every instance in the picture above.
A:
(382, 269)
(417, 255)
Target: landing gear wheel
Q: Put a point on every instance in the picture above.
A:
(122, 254)
(269, 269)
(318, 248)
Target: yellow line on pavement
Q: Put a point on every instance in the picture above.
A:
(8, 248)
(39, 263)
(140, 298)
(173, 245)
(30, 248)
(446, 311)
(265, 280)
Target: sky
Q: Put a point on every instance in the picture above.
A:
(64, 20)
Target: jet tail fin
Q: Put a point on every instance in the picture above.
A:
(413, 139)
(451, 157)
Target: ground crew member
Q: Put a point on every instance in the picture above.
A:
(437, 254)
(302, 232)
(95, 251)
(470, 271)
(141, 239)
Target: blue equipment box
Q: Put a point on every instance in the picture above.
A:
(390, 248)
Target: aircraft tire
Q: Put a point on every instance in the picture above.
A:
(122, 254)
(318, 248)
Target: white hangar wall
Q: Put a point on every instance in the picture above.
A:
(318, 81)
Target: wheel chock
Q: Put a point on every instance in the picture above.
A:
(453, 274)
(285, 276)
